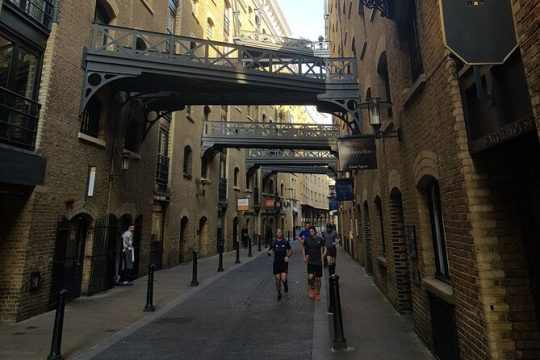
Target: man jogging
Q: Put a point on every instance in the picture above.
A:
(282, 252)
(313, 246)
(304, 234)
(330, 240)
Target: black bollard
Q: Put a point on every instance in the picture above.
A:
(150, 290)
(249, 248)
(259, 241)
(339, 337)
(220, 263)
(56, 343)
(194, 281)
(237, 253)
(331, 293)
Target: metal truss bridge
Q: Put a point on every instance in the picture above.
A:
(164, 72)
(289, 157)
(266, 135)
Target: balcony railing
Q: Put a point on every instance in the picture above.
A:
(319, 48)
(39, 10)
(19, 119)
(162, 175)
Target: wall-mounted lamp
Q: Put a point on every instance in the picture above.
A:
(384, 6)
(125, 160)
(374, 106)
(202, 182)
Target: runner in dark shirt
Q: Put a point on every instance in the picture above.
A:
(331, 240)
(282, 251)
(313, 251)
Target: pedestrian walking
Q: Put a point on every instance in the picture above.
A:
(330, 240)
(313, 252)
(245, 236)
(304, 234)
(128, 255)
(282, 251)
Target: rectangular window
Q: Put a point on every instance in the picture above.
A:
(171, 16)
(437, 230)
(413, 43)
(226, 23)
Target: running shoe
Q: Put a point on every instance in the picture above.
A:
(286, 287)
(279, 297)
(318, 297)
(311, 293)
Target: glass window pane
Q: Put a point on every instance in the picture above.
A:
(25, 74)
(6, 54)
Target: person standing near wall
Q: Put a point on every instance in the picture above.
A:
(330, 240)
(128, 256)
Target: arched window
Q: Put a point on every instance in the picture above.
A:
(378, 205)
(236, 176)
(101, 15)
(195, 7)
(282, 189)
(188, 158)
(90, 118)
(209, 28)
(382, 70)
(271, 187)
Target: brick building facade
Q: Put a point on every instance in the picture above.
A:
(91, 171)
(448, 224)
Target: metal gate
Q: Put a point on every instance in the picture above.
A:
(103, 255)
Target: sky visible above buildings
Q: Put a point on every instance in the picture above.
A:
(305, 17)
(306, 20)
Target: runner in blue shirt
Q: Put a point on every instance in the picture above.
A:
(304, 234)
(282, 251)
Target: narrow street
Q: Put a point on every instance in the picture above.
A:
(238, 317)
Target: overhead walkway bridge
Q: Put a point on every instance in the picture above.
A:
(164, 72)
(267, 135)
(287, 157)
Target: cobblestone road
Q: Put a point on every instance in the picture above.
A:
(237, 317)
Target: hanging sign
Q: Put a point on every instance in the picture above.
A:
(344, 190)
(333, 204)
(357, 153)
(243, 204)
(479, 31)
(270, 203)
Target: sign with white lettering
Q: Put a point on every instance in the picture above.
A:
(243, 204)
(344, 189)
(357, 153)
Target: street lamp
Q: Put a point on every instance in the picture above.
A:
(125, 160)
(374, 106)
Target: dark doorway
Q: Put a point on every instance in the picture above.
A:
(103, 254)
(367, 240)
(182, 242)
(399, 247)
(68, 257)
(235, 233)
(137, 246)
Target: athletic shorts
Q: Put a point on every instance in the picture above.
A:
(315, 269)
(281, 267)
(331, 251)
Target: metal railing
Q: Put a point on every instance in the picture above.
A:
(19, 119)
(321, 48)
(256, 154)
(174, 49)
(270, 130)
(39, 10)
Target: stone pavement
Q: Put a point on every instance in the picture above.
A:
(231, 315)
(89, 320)
(373, 329)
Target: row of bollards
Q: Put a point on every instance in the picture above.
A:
(56, 343)
(339, 342)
